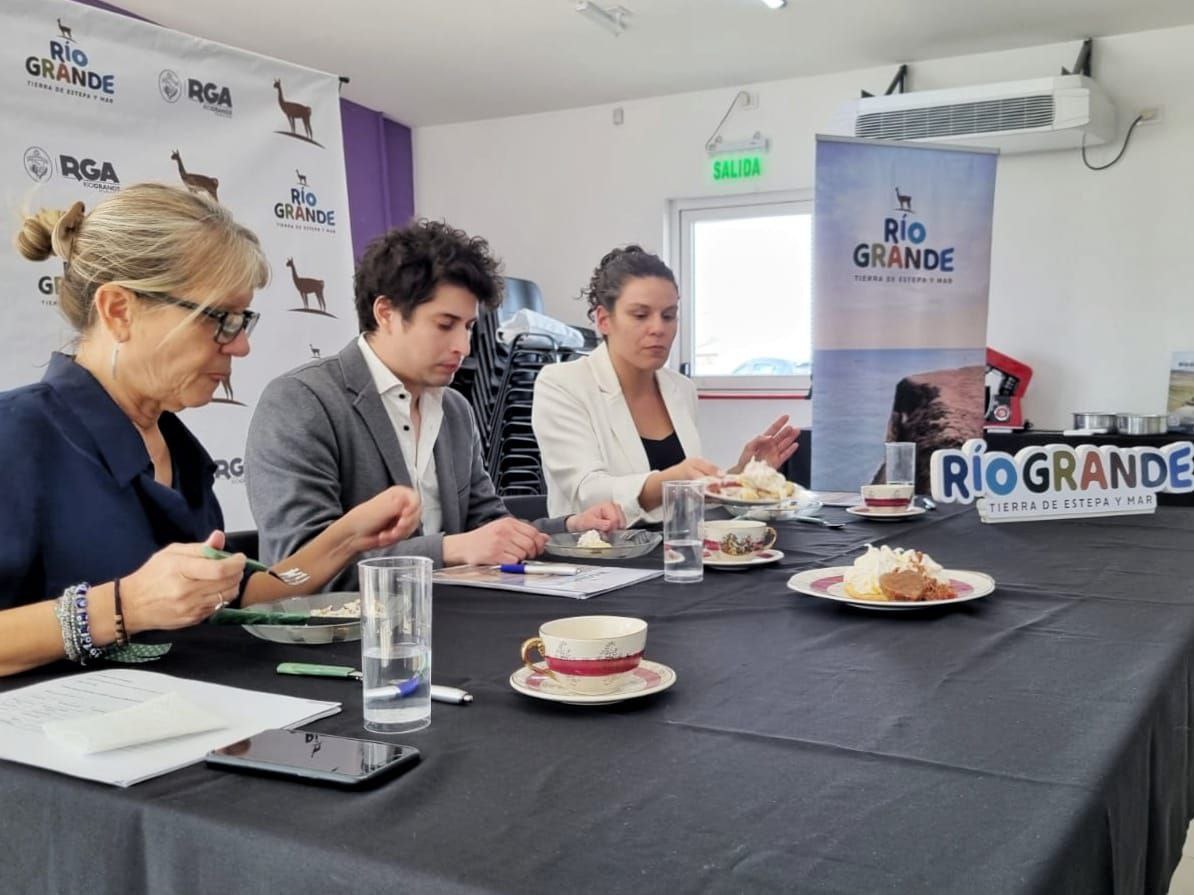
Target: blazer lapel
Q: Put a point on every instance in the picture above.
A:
(445, 474)
(367, 403)
(682, 420)
(621, 423)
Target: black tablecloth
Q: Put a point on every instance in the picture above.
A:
(1034, 741)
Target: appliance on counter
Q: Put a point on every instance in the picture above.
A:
(1007, 380)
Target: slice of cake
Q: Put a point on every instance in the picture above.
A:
(906, 576)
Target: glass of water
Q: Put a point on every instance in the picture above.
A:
(901, 462)
(683, 545)
(396, 642)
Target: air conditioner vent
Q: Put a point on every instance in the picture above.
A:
(957, 120)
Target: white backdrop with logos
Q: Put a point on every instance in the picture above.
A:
(96, 101)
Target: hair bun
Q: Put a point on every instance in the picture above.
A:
(66, 229)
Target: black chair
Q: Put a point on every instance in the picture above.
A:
(520, 294)
(798, 469)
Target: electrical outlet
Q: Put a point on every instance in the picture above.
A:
(1151, 115)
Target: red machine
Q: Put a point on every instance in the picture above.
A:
(1007, 380)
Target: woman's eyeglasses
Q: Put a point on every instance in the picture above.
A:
(230, 323)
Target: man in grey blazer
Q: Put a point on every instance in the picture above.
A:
(337, 431)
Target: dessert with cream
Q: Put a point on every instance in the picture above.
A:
(592, 540)
(758, 481)
(896, 574)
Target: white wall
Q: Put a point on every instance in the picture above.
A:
(1090, 271)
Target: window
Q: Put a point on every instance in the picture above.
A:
(745, 271)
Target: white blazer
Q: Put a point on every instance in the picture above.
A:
(591, 450)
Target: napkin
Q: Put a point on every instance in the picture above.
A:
(160, 718)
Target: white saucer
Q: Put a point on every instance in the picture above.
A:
(650, 677)
(867, 513)
(717, 560)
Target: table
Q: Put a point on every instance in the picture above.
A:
(1034, 741)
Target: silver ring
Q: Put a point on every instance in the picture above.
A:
(220, 602)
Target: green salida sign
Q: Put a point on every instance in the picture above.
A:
(742, 167)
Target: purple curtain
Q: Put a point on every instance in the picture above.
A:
(377, 156)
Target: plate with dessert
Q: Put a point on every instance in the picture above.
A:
(625, 544)
(758, 485)
(893, 579)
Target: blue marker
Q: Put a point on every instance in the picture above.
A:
(400, 690)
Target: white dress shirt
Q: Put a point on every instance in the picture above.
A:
(419, 454)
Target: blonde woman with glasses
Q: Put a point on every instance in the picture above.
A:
(109, 496)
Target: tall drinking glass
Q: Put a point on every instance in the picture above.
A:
(901, 462)
(683, 514)
(396, 642)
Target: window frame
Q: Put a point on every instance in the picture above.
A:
(682, 215)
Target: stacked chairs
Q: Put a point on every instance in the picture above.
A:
(499, 380)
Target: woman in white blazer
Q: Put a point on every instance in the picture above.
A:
(617, 424)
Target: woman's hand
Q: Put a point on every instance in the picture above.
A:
(689, 469)
(179, 586)
(773, 447)
(603, 517)
(381, 521)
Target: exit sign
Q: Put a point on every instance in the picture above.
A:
(743, 167)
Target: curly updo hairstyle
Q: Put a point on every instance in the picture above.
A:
(616, 269)
(407, 264)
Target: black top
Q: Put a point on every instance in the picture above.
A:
(82, 500)
(663, 452)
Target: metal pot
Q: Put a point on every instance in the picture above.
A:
(1097, 421)
(1142, 423)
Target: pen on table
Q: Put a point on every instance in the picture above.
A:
(439, 693)
(531, 568)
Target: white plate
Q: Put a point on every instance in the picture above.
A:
(649, 677)
(713, 493)
(325, 631)
(827, 584)
(867, 513)
(718, 560)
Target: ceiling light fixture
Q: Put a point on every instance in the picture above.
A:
(776, 4)
(612, 19)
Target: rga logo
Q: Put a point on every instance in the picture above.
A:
(38, 164)
(232, 469)
(301, 209)
(212, 97)
(91, 173)
(903, 250)
(66, 68)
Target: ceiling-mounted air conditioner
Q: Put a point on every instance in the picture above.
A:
(1017, 116)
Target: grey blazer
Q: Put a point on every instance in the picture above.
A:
(321, 443)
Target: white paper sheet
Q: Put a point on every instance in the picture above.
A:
(24, 711)
(161, 718)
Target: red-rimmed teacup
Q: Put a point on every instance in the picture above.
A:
(588, 654)
(887, 498)
(738, 538)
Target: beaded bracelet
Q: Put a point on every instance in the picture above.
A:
(122, 637)
(76, 625)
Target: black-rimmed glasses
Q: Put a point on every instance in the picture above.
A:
(231, 323)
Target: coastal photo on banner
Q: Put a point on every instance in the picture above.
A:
(97, 101)
(901, 271)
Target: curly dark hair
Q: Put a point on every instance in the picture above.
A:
(615, 269)
(408, 263)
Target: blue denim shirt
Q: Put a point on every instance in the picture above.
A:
(80, 501)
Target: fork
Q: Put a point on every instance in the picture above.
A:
(817, 520)
(293, 577)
